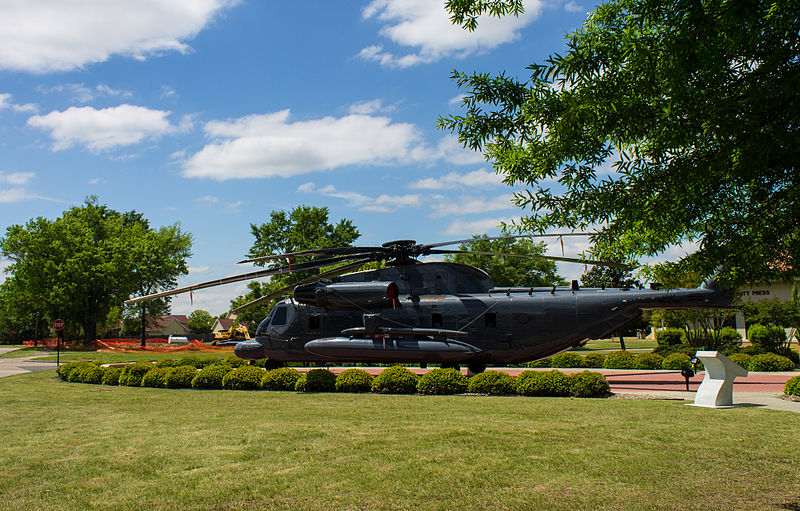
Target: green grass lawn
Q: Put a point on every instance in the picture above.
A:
(75, 446)
(21, 352)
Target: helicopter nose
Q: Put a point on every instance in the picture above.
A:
(249, 350)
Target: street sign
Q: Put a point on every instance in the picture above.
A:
(58, 325)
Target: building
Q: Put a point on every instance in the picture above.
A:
(755, 293)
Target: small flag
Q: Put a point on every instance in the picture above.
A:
(561, 239)
(191, 298)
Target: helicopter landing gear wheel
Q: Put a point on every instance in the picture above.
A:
(476, 367)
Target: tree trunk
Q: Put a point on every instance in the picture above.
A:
(89, 331)
(144, 326)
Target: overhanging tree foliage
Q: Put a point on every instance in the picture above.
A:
(303, 228)
(663, 121)
(511, 271)
(90, 259)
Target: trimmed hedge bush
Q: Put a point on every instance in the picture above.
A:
(442, 381)
(319, 380)
(669, 336)
(66, 370)
(494, 383)
(234, 361)
(769, 362)
(620, 360)
(769, 338)
(542, 362)
(353, 380)
(792, 387)
(568, 359)
(208, 360)
(743, 359)
(86, 372)
(132, 374)
(789, 353)
(729, 336)
(180, 377)
(589, 384)
(300, 386)
(243, 378)
(284, 378)
(191, 360)
(395, 380)
(649, 361)
(111, 375)
(156, 377)
(544, 383)
(677, 361)
(167, 362)
(210, 377)
(594, 360)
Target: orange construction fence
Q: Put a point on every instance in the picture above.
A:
(128, 345)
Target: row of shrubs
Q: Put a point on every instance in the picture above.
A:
(393, 380)
(674, 361)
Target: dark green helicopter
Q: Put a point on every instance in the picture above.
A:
(436, 312)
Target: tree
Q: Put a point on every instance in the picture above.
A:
(79, 266)
(662, 122)
(510, 271)
(200, 322)
(303, 228)
(604, 276)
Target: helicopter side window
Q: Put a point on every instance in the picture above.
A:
(279, 319)
(436, 320)
(314, 321)
(490, 319)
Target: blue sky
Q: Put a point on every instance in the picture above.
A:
(212, 113)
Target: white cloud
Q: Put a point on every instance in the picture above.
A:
(17, 194)
(103, 129)
(471, 227)
(208, 198)
(477, 178)
(425, 26)
(198, 269)
(573, 6)
(267, 145)
(16, 178)
(372, 106)
(384, 203)
(6, 102)
(42, 36)
(469, 205)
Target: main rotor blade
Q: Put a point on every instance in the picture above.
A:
(610, 264)
(510, 237)
(281, 270)
(284, 290)
(318, 252)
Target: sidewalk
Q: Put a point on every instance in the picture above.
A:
(9, 366)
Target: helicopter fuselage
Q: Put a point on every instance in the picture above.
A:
(449, 313)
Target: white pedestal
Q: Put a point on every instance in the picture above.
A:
(716, 391)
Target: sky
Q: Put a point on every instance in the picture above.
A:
(213, 113)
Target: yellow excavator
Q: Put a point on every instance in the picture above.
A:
(233, 334)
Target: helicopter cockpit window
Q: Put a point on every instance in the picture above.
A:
(279, 319)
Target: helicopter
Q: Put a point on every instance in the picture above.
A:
(435, 312)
